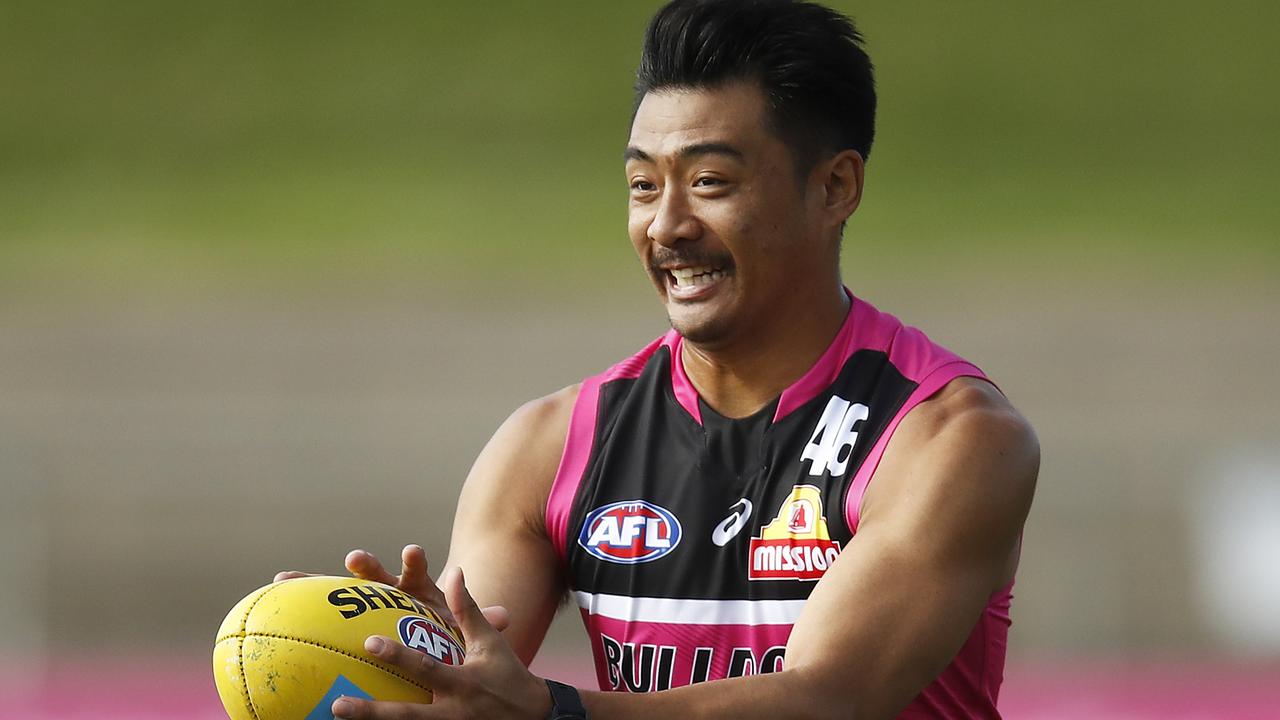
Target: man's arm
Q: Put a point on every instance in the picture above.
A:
(499, 533)
(939, 533)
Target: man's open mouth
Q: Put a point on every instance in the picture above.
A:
(690, 277)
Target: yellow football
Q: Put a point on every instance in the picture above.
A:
(289, 649)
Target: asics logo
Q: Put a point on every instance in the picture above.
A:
(728, 528)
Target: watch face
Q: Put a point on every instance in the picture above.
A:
(563, 695)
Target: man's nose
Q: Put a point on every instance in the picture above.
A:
(674, 219)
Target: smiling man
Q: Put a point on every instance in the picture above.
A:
(791, 493)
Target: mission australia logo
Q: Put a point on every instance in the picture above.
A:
(795, 545)
(630, 532)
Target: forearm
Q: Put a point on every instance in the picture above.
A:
(497, 578)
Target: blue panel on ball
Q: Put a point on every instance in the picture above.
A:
(340, 687)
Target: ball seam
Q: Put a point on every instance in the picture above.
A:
(244, 624)
(340, 651)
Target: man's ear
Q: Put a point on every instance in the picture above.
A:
(842, 183)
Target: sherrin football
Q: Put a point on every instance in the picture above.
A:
(289, 649)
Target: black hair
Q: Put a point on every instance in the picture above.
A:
(807, 59)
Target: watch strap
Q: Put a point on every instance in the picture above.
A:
(565, 702)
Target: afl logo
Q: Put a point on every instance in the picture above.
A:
(425, 636)
(630, 532)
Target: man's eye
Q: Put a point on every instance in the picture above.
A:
(642, 186)
(707, 182)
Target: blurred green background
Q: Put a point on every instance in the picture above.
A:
(187, 148)
(271, 273)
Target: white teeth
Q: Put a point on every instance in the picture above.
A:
(686, 273)
(694, 276)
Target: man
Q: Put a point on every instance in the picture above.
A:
(790, 492)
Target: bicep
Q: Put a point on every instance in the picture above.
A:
(499, 537)
(897, 606)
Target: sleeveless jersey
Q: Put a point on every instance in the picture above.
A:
(690, 541)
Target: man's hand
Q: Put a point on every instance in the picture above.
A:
(413, 579)
(491, 683)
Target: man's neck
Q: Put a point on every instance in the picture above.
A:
(739, 378)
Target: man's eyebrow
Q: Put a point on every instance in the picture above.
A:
(688, 151)
(710, 148)
(635, 153)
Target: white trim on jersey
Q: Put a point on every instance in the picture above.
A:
(683, 611)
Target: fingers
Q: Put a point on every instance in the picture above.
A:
(413, 578)
(357, 709)
(415, 581)
(363, 564)
(413, 571)
(497, 616)
(418, 665)
(471, 620)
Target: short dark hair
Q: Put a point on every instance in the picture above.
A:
(807, 59)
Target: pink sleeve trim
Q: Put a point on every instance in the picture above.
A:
(928, 387)
(573, 462)
(866, 328)
(578, 443)
(686, 394)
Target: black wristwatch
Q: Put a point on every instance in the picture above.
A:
(565, 703)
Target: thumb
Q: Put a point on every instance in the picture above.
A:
(471, 619)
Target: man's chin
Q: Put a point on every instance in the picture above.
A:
(700, 328)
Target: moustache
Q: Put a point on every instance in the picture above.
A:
(685, 257)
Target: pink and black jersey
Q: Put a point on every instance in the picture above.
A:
(691, 540)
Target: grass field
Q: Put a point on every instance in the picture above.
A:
(157, 148)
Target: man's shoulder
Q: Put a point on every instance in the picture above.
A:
(968, 406)
(517, 467)
(967, 439)
(542, 422)
(911, 350)
(542, 425)
(632, 366)
(550, 405)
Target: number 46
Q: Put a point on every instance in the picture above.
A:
(832, 443)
